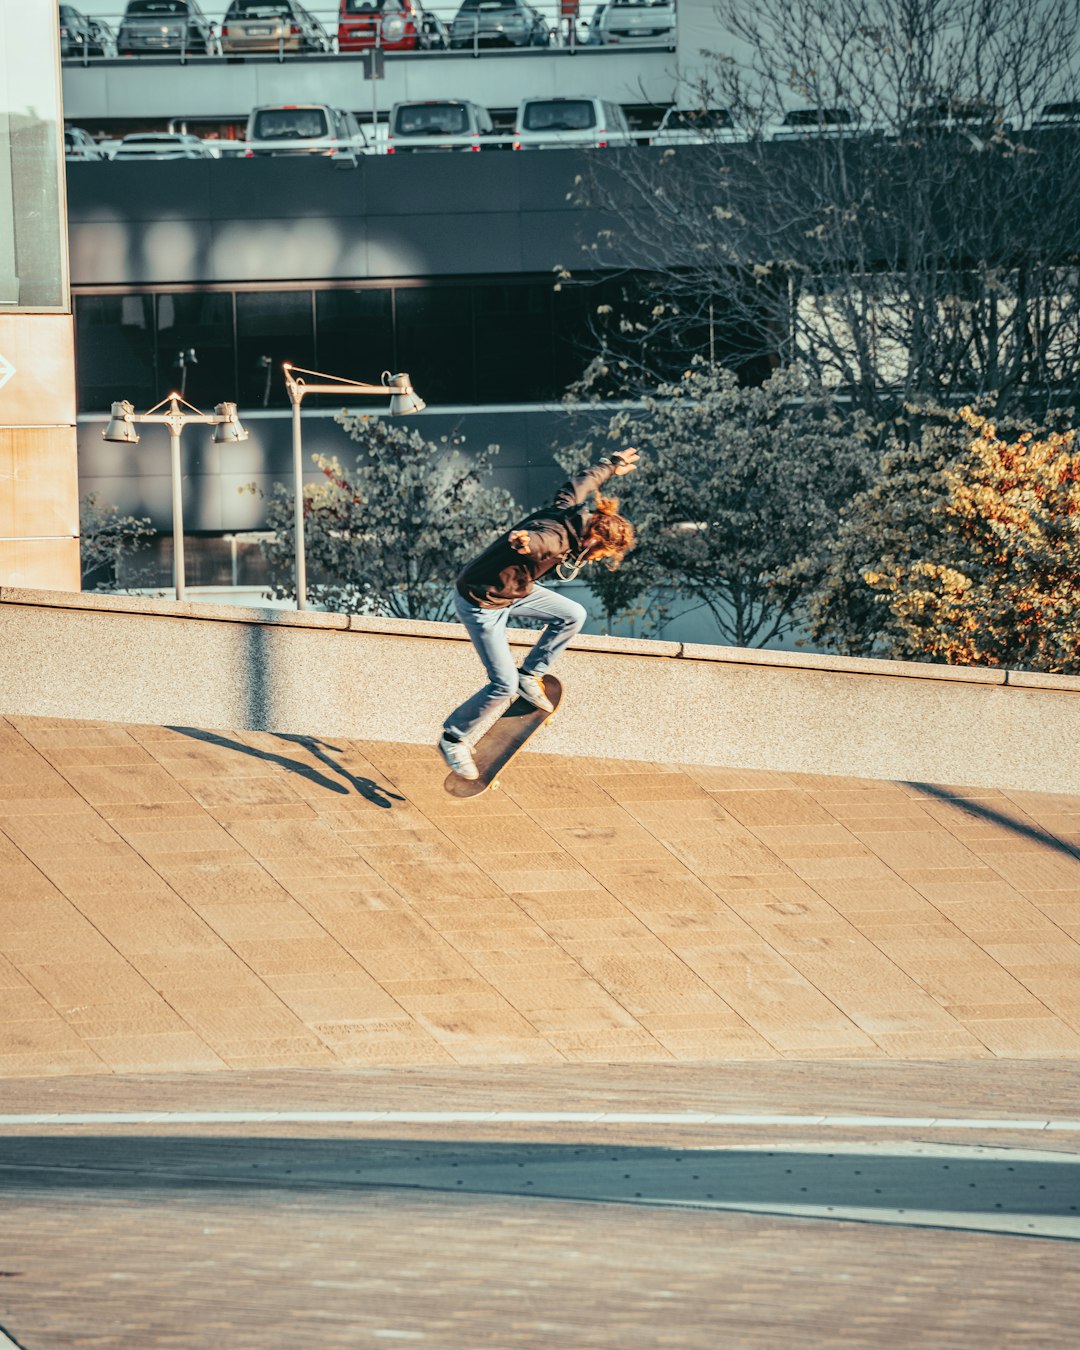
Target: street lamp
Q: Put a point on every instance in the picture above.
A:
(227, 431)
(403, 399)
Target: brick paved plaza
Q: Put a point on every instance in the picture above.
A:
(196, 923)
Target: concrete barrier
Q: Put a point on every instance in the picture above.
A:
(125, 659)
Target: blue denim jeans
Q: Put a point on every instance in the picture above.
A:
(564, 619)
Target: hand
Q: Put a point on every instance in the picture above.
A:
(519, 541)
(625, 460)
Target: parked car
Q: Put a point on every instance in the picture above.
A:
(635, 23)
(439, 124)
(394, 25)
(165, 26)
(77, 35)
(802, 124)
(80, 146)
(103, 37)
(271, 26)
(594, 36)
(1053, 115)
(499, 23)
(695, 126)
(548, 123)
(161, 145)
(303, 129)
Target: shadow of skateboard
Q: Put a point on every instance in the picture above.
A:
(502, 740)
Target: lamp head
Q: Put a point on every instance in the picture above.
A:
(403, 397)
(121, 427)
(230, 430)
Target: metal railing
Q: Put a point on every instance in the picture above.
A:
(564, 34)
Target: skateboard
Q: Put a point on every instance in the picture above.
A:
(502, 740)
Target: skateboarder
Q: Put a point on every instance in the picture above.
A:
(501, 584)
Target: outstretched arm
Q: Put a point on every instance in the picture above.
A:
(578, 488)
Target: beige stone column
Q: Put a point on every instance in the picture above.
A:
(39, 483)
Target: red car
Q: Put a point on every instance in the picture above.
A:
(393, 25)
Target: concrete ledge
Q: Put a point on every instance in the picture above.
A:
(130, 659)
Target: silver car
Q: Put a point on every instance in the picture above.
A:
(634, 23)
(165, 26)
(161, 145)
(304, 129)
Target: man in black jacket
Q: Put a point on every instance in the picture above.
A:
(502, 583)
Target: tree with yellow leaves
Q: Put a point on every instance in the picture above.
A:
(969, 559)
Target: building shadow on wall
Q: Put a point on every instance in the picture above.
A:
(1022, 1193)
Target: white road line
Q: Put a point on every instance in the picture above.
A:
(62, 1119)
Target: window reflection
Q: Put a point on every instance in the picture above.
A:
(32, 240)
(271, 327)
(195, 346)
(435, 335)
(115, 350)
(354, 333)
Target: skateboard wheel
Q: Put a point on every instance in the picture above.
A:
(494, 784)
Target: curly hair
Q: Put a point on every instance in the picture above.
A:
(612, 532)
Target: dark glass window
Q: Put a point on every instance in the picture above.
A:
(195, 346)
(435, 341)
(513, 344)
(271, 327)
(115, 351)
(355, 333)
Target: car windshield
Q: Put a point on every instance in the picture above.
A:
(290, 124)
(709, 119)
(364, 6)
(431, 119)
(560, 115)
(641, 4)
(154, 8)
(814, 117)
(491, 4)
(260, 9)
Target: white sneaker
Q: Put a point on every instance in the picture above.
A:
(459, 757)
(531, 689)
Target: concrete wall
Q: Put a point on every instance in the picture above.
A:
(215, 88)
(128, 660)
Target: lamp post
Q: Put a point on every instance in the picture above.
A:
(403, 399)
(227, 431)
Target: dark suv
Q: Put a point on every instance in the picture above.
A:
(499, 23)
(78, 36)
(165, 26)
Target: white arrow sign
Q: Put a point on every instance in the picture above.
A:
(6, 370)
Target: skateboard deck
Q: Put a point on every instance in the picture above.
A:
(502, 740)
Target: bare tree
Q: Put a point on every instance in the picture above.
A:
(913, 233)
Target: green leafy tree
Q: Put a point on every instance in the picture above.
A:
(736, 483)
(106, 540)
(966, 551)
(388, 536)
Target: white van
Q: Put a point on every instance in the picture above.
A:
(438, 124)
(303, 129)
(549, 123)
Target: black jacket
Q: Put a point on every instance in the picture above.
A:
(501, 575)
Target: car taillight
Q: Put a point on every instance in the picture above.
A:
(601, 145)
(517, 145)
(224, 30)
(295, 30)
(389, 149)
(475, 145)
(249, 154)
